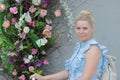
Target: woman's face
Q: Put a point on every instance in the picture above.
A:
(83, 30)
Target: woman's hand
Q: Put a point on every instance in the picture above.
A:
(37, 76)
(62, 75)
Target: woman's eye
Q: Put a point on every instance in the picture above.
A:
(85, 28)
(77, 28)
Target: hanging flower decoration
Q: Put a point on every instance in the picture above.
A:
(26, 32)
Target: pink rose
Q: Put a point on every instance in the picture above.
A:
(14, 10)
(32, 23)
(14, 20)
(48, 27)
(23, 35)
(34, 51)
(45, 61)
(32, 10)
(31, 68)
(43, 12)
(57, 13)
(47, 33)
(22, 77)
(6, 24)
(14, 72)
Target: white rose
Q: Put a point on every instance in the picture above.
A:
(36, 2)
(30, 57)
(26, 29)
(41, 42)
(28, 17)
(22, 17)
(18, 26)
(26, 61)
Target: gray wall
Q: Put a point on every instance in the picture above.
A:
(107, 26)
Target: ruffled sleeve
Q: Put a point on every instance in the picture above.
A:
(101, 67)
(67, 62)
(103, 60)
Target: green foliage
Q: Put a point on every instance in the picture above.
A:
(5, 60)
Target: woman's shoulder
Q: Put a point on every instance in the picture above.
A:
(94, 44)
(93, 50)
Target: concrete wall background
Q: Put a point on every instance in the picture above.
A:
(107, 26)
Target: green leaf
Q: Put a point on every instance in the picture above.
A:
(24, 23)
(3, 1)
(39, 71)
(26, 72)
(1, 21)
(33, 38)
(21, 9)
(1, 42)
(6, 41)
(40, 25)
(37, 12)
(10, 68)
(51, 40)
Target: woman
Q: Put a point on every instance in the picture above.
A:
(88, 57)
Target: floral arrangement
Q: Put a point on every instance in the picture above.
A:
(26, 33)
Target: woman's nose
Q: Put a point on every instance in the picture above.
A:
(81, 31)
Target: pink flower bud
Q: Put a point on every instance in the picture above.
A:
(34, 51)
(57, 13)
(14, 72)
(31, 68)
(16, 42)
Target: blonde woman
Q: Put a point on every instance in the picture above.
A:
(88, 57)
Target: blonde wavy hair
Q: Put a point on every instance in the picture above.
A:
(85, 15)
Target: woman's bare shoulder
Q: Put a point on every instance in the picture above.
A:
(94, 49)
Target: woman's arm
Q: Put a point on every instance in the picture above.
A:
(63, 75)
(92, 59)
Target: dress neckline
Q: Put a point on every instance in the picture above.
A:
(85, 42)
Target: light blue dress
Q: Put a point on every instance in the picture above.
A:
(75, 65)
